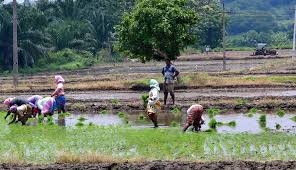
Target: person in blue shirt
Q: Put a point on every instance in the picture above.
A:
(170, 73)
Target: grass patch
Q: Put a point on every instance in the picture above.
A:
(280, 113)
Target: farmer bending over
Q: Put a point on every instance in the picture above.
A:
(47, 106)
(21, 113)
(153, 104)
(194, 117)
(14, 101)
(33, 100)
(170, 73)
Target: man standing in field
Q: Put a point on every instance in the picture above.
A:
(170, 73)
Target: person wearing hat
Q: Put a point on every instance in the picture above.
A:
(170, 73)
(153, 104)
(194, 118)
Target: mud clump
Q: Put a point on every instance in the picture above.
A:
(164, 165)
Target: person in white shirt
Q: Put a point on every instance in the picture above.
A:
(153, 104)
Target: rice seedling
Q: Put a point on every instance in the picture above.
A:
(141, 117)
(220, 124)
(103, 112)
(173, 124)
(115, 101)
(250, 115)
(40, 118)
(121, 114)
(79, 123)
(241, 101)
(212, 112)
(251, 112)
(280, 113)
(64, 115)
(231, 124)
(144, 98)
(293, 118)
(50, 120)
(213, 124)
(81, 119)
(262, 121)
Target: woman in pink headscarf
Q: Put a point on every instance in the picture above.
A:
(59, 93)
(194, 118)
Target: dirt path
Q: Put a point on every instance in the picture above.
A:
(181, 94)
(165, 165)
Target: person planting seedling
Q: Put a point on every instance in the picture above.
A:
(9, 102)
(47, 106)
(21, 113)
(33, 101)
(153, 104)
(194, 118)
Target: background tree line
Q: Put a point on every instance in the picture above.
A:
(70, 34)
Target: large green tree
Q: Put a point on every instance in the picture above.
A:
(156, 29)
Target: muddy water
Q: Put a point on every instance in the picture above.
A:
(251, 124)
(244, 124)
(87, 119)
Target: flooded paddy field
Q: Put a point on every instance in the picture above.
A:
(108, 127)
(244, 122)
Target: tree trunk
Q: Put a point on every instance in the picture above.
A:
(15, 48)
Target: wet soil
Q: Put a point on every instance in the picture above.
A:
(165, 165)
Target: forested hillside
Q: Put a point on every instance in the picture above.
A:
(268, 21)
